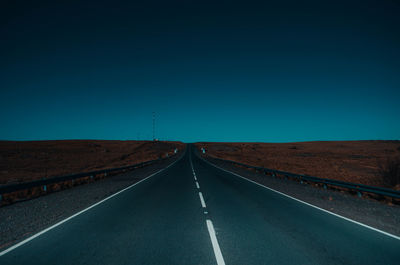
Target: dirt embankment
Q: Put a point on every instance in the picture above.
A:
(32, 160)
(352, 161)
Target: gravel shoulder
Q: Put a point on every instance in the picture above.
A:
(367, 211)
(21, 220)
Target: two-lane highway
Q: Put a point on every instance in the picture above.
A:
(194, 213)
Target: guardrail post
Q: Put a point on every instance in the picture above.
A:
(105, 174)
(91, 176)
(325, 187)
(45, 188)
(359, 194)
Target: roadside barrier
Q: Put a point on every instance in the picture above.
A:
(44, 183)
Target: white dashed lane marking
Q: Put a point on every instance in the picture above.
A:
(217, 251)
(203, 203)
(214, 241)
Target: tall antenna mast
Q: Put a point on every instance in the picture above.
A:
(154, 126)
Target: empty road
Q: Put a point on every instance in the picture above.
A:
(194, 213)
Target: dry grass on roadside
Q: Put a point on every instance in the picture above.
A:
(390, 172)
(351, 161)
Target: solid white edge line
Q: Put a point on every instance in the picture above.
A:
(197, 185)
(80, 212)
(214, 242)
(306, 203)
(203, 203)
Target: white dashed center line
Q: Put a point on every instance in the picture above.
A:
(203, 203)
(210, 226)
(214, 242)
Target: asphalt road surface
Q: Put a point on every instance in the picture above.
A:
(194, 213)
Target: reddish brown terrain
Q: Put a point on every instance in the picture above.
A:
(25, 161)
(352, 161)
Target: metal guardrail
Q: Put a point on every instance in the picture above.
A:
(4, 189)
(360, 188)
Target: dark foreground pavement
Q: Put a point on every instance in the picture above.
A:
(161, 221)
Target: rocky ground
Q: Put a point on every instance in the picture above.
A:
(22, 161)
(351, 161)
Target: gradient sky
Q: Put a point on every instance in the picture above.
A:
(276, 71)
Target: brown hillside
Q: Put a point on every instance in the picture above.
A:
(25, 161)
(353, 161)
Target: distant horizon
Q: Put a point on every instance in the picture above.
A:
(163, 140)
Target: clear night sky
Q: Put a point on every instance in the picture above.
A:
(228, 71)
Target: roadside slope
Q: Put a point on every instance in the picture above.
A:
(351, 161)
(32, 160)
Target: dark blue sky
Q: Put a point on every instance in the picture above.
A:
(212, 71)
